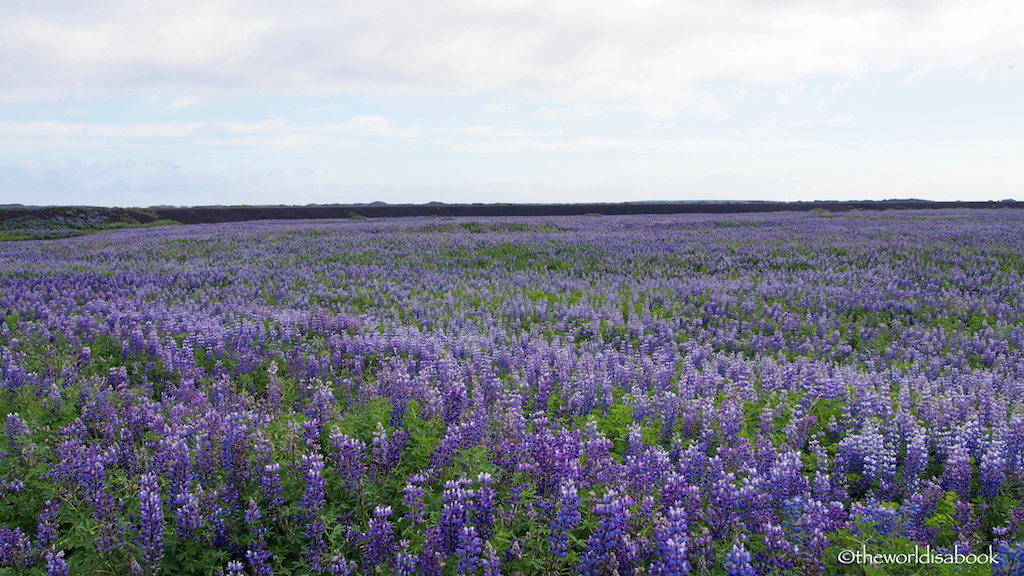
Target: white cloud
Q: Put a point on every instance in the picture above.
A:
(839, 119)
(280, 141)
(840, 86)
(140, 130)
(549, 113)
(501, 107)
(183, 102)
(788, 94)
(579, 143)
(268, 133)
(648, 56)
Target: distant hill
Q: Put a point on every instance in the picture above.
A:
(34, 222)
(230, 214)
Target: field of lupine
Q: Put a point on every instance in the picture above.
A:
(741, 395)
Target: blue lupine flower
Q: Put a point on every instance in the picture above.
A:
(737, 562)
(151, 527)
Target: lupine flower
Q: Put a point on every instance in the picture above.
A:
(235, 568)
(490, 562)
(567, 516)
(187, 516)
(469, 550)
(737, 562)
(14, 546)
(455, 503)
(347, 455)
(271, 483)
(412, 496)
(1011, 560)
(607, 547)
(55, 564)
(313, 496)
(17, 431)
(340, 567)
(380, 539)
(671, 540)
(993, 471)
(46, 528)
(219, 527)
(316, 545)
(252, 513)
(151, 527)
(405, 563)
(778, 552)
(957, 473)
(257, 558)
(482, 506)
(431, 560)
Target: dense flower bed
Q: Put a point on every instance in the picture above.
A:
(749, 394)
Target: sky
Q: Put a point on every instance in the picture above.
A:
(133, 103)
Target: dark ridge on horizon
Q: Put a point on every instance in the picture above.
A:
(378, 209)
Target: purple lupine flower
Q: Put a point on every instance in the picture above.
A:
(455, 502)
(47, 525)
(992, 470)
(11, 487)
(671, 540)
(311, 505)
(957, 473)
(338, 566)
(380, 539)
(968, 524)
(386, 451)
(778, 551)
(1011, 560)
(567, 516)
(490, 561)
(348, 455)
(316, 545)
(188, 516)
(218, 526)
(151, 523)
(679, 493)
(883, 519)
(15, 547)
(17, 431)
(412, 497)
(270, 480)
(737, 561)
(235, 568)
(55, 564)
(257, 554)
(313, 496)
(273, 391)
(104, 506)
(176, 462)
(118, 377)
(252, 513)
(257, 558)
(810, 522)
(431, 560)
(607, 549)
(405, 563)
(84, 357)
(312, 429)
(469, 550)
(233, 451)
(482, 506)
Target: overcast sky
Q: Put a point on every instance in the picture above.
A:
(110, 102)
